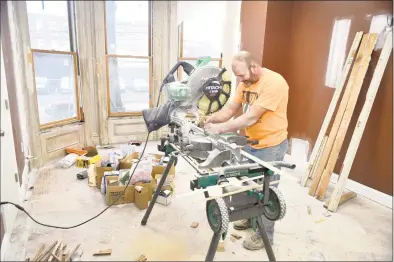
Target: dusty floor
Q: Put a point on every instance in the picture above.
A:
(359, 230)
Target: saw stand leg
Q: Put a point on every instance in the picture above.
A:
(158, 189)
(267, 246)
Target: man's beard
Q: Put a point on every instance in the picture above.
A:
(252, 79)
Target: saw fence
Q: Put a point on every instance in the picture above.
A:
(328, 145)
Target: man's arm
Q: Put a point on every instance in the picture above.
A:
(227, 112)
(243, 121)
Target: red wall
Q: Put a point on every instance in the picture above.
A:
(296, 44)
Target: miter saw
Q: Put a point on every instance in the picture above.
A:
(218, 159)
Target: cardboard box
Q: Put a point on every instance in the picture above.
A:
(85, 162)
(100, 173)
(165, 197)
(114, 191)
(127, 162)
(159, 169)
(141, 198)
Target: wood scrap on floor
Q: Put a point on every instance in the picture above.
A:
(55, 252)
(141, 258)
(194, 225)
(236, 236)
(326, 150)
(220, 247)
(103, 252)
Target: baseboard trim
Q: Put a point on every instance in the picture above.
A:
(365, 191)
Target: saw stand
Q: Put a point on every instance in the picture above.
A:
(220, 212)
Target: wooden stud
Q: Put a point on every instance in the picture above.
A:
(331, 109)
(346, 118)
(47, 252)
(361, 123)
(38, 252)
(59, 243)
(344, 197)
(342, 106)
(323, 144)
(71, 254)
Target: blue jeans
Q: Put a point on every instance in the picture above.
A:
(274, 153)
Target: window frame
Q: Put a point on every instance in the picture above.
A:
(182, 58)
(73, 52)
(148, 57)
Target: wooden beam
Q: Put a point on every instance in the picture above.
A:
(323, 144)
(347, 117)
(361, 123)
(342, 106)
(331, 109)
(344, 197)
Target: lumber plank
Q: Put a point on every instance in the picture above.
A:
(59, 243)
(71, 254)
(331, 109)
(320, 153)
(342, 106)
(103, 252)
(47, 252)
(347, 117)
(42, 247)
(344, 197)
(361, 123)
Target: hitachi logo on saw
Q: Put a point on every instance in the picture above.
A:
(213, 87)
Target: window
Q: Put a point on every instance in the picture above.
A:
(128, 52)
(54, 61)
(199, 36)
(337, 55)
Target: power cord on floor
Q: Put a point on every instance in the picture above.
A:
(90, 219)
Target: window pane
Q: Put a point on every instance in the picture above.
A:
(55, 85)
(193, 62)
(127, 27)
(128, 84)
(48, 25)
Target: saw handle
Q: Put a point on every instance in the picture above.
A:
(253, 142)
(284, 164)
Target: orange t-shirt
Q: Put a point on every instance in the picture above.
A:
(271, 93)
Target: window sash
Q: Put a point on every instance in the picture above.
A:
(77, 105)
(149, 57)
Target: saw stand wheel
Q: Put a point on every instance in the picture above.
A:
(217, 214)
(276, 208)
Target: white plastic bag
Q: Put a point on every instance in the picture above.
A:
(143, 173)
(67, 161)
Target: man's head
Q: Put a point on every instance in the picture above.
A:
(245, 68)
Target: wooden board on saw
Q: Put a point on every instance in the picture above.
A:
(320, 141)
(362, 55)
(336, 196)
(346, 118)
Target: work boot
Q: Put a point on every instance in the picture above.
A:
(254, 242)
(242, 224)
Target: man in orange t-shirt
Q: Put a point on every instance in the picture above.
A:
(264, 95)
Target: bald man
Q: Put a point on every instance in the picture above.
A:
(264, 93)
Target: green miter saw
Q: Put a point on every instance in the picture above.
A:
(206, 90)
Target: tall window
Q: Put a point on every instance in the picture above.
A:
(199, 36)
(337, 55)
(129, 61)
(53, 46)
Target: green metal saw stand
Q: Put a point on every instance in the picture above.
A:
(249, 204)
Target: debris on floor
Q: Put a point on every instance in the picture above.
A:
(194, 225)
(103, 252)
(308, 209)
(236, 236)
(141, 258)
(55, 252)
(327, 214)
(220, 247)
(233, 239)
(319, 221)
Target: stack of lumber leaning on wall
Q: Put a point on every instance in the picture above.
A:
(328, 146)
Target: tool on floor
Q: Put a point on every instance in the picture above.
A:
(216, 158)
